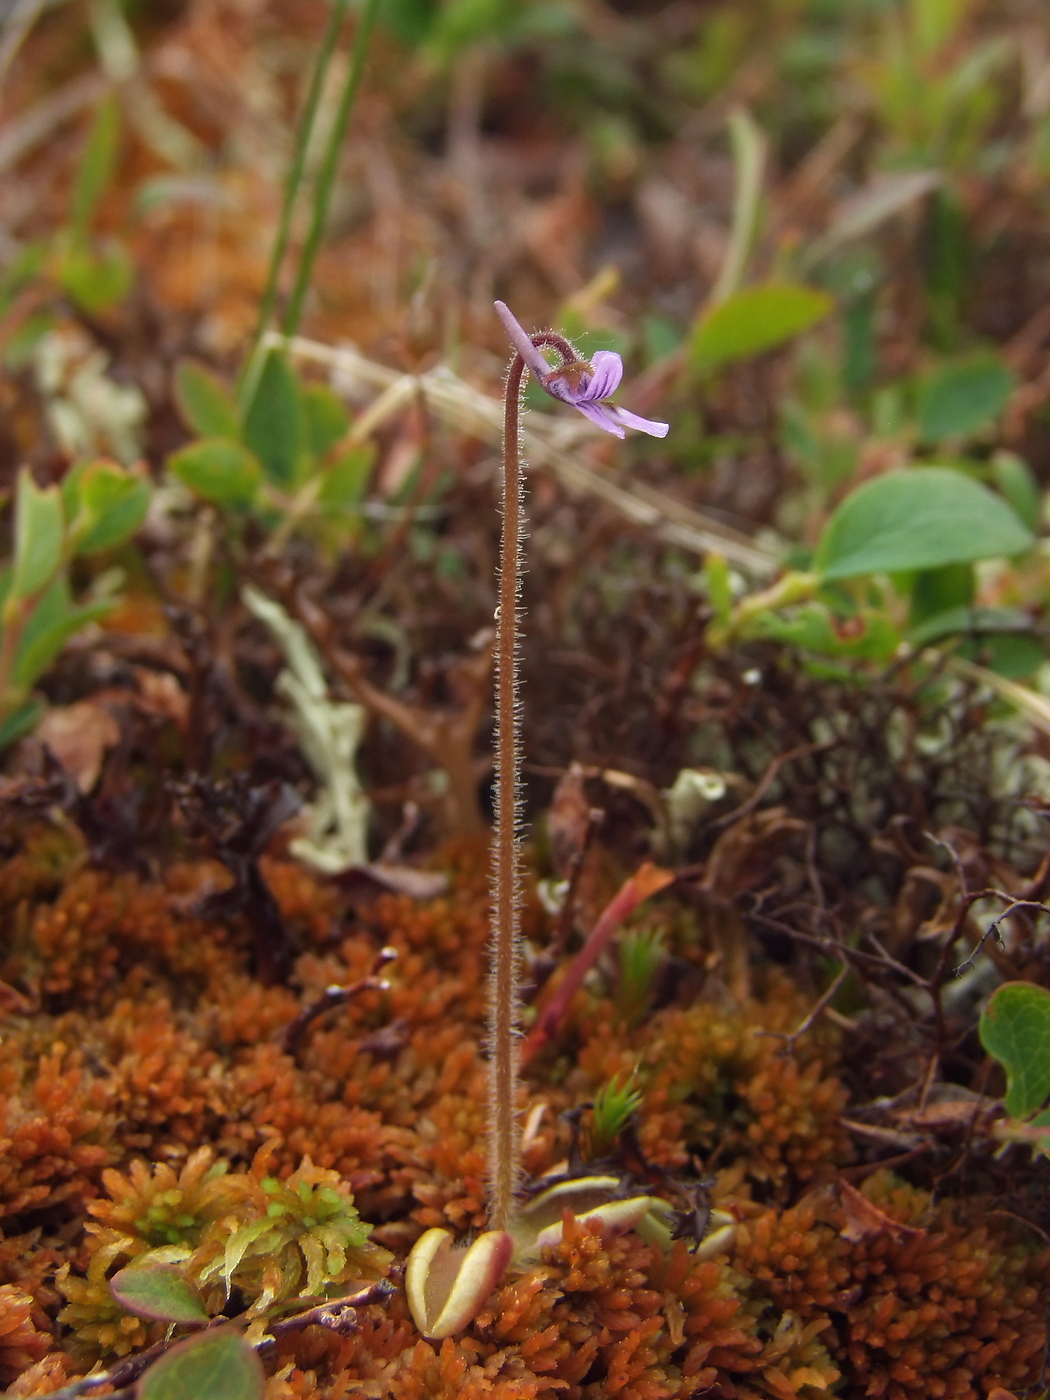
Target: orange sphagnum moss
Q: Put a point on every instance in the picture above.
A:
(148, 1102)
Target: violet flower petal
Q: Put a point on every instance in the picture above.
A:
(605, 415)
(585, 387)
(642, 425)
(608, 371)
(522, 343)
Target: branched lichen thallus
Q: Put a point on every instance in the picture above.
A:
(447, 1287)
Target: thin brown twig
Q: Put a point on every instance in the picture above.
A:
(292, 1036)
(788, 1048)
(765, 782)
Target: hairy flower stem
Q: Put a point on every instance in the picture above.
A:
(504, 1128)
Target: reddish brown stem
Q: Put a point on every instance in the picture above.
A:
(504, 1128)
(648, 880)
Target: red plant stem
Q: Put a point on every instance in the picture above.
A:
(504, 1127)
(648, 880)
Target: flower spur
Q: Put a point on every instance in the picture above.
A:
(587, 386)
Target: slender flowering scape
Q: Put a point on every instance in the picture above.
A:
(446, 1287)
(586, 386)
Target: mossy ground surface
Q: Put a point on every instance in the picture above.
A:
(150, 1040)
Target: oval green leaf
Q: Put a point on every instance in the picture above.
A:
(96, 167)
(159, 1291)
(39, 529)
(112, 505)
(1015, 1030)
(919, 519)
(204, 401)
(1017, 483)
(345, 482)
(96, 278)
(218, 1365)
(220, 470)
(49, 627)
(272, 423)
(955, 400)
(19, 722)
(976, 622)
(325, 419)
(756, 319)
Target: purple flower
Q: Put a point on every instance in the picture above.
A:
(586, 387)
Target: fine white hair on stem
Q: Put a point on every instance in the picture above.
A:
(504, 976)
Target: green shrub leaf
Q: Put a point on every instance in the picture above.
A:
(757, 319)
(814, 628)
(109, 505)
(96, 279)
(1015, 1030)
(346, 480)
(1016, 481)
(217, 1365)
(20, 721)
(975, 621)
(325, 419)
(50, 625)
(919, 519)
(955, 400)
(272, 423)
(1007, 654)
(96, 166)
(159, 1291)
(204, 401)
(220, 470)
(39, 530)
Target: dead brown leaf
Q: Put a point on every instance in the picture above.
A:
(861, 1218)
(79, 736)
(568, 821)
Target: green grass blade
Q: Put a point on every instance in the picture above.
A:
(326, 176)
(296, 168)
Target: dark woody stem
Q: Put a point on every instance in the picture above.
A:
(504, 1127)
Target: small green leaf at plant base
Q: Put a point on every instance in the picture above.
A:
(719, 586)
(756, 319)
(1016, 481)
(869, 635)
(218, 1365)
(1015, 1030)
(934, 591)
(105, 504)
(956, 400)
(20, 721)
(220, 470)
(1008, 654)
(975, 622)
(921, 518)
(24, 268)
(346, 480)
(159, 1291)
(325, 419)
(22, 344)
(50, 625)
(96, 166)
(96, 279)
(272, 423)
(206, 404)
(39, 530)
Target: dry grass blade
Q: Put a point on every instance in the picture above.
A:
(471, 411)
